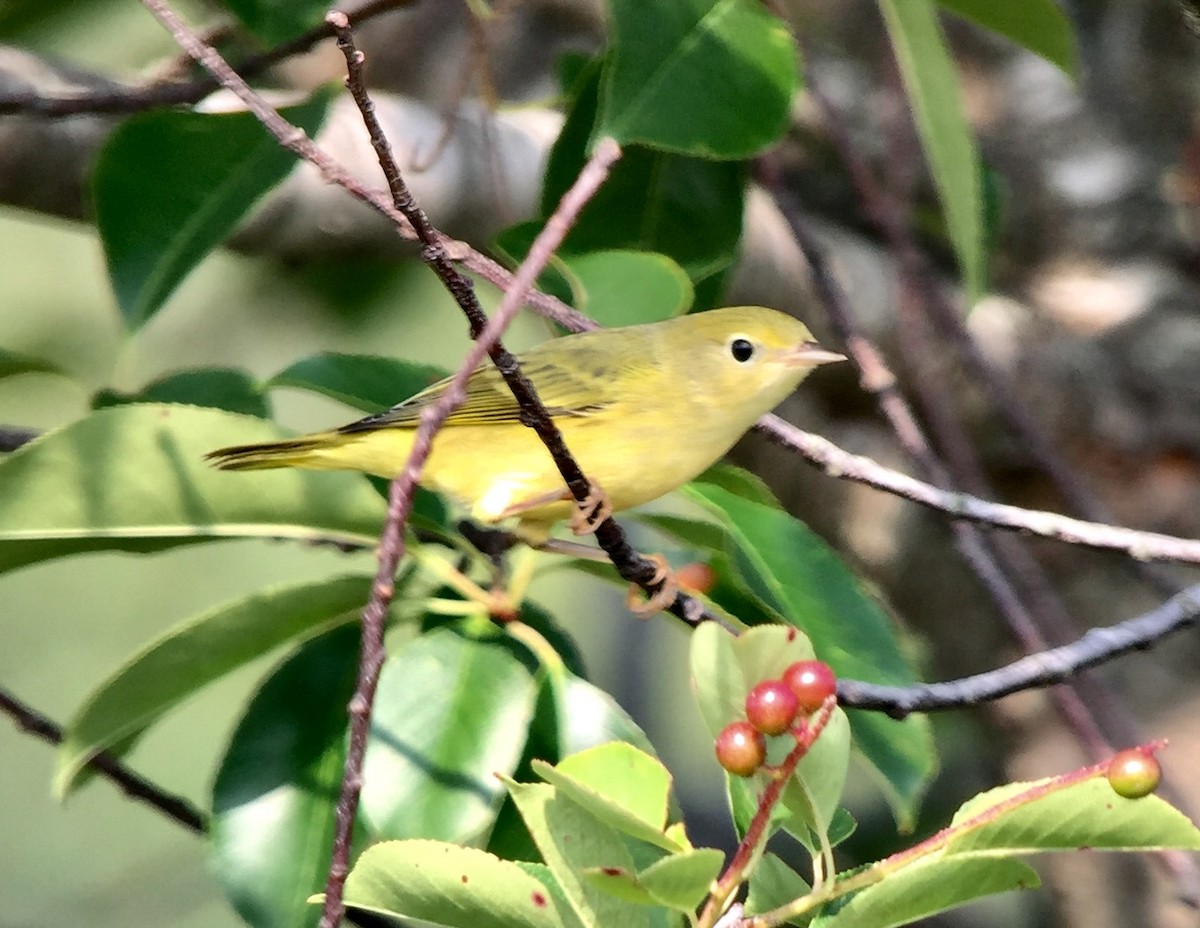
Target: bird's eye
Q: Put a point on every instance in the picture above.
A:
(741, 349)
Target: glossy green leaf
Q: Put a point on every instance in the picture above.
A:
(274, 797)
(1038, 25)
(276, 21)
(689, 209)
(932, 83)
(451, 713)
(627, 287)
(218, 387)
(588, 716)
(133, 478)
(194, 654)
(170, 186)
(772, 884)
(682, 881)
(1084, 814)
(806, 583)
(681, 74)
(13, 363)
(442, 884)
(571, 841)
(366, 382)
(620, 785)
(929, 887)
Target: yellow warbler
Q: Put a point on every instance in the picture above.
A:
(643, 409)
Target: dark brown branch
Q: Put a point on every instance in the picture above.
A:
(134, 99)
(1046, 668)
(131, 784)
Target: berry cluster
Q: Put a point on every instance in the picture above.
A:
(771, 709)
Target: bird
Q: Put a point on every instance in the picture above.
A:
(642, 408)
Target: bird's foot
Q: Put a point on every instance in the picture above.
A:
(591, 511)
(668, 589)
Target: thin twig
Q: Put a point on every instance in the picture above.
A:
(1046, 668)
(135, 99)
(176, 808)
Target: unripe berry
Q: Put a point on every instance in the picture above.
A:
(812, 682)
(1134, 773)
(771, 707)
(741, 748)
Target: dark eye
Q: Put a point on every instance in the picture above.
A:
(741, 349)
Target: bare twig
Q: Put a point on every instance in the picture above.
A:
(134, 99)
(1046, 668)
(176, 808)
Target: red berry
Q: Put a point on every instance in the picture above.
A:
(771, 707)
(1134, 773)
(696, 576)
(812, 682)
(741, 748)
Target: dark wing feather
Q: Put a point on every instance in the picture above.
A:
(575, 376)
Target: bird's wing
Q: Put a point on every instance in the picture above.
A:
(571, 378)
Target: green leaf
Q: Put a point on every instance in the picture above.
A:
(689, 209)
(366, 382)
(447, 885)
(931, 80)
(618, 287)
(170, 186)
(275, 793)
(620, 785)
(218, 387)
(451, 713)
(588, 716)
(805, 581)
(1038, 25)
(1086, 813)
(192, 655)
(622, 884)
(276, 21)
(682, 74)
(681, 881)
(133, 478)
(13, 363)
(772, 884)
(926, 888)
(571, 841)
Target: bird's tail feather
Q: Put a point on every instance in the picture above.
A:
(306, 451)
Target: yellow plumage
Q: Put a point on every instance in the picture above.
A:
(643, 409)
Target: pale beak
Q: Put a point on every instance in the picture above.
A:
(813, 354)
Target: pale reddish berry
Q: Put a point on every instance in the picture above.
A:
(1134, 773)
(741, 748)
(812, 682)
(771, 707)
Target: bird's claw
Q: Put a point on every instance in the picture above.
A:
(667, 591)
(590, 512)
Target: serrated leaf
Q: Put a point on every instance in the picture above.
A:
(621, 884)
(1038, 25)
(275, 793)
(932, 84)
(926, 888)
(618, 784)
(192, 655)
(451, 713)
(808, 585)
(169, 186)
(366, 382)
(1086, 813)
(216, 387)
(133, 478)
(444, 884)
(571, 841)
(682, 881)
(681, 74)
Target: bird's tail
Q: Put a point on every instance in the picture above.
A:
(307, 451)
